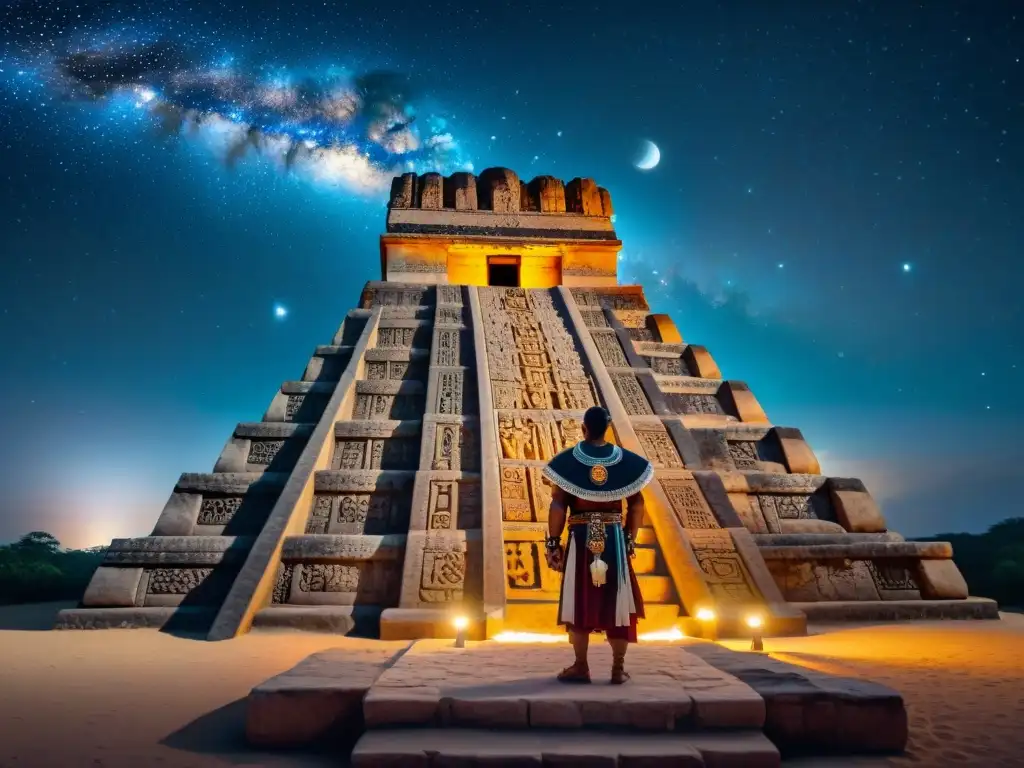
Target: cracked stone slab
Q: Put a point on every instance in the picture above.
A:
(811, 711)
(500, 686)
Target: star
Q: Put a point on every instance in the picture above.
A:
(280, 312)
(906, 266)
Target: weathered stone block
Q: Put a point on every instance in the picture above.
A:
(403, 191)
(664, 329)
(700, 363)
(498, 190)
(112, 588)
(743, 403)
(606, 202)
(797, 454)
(581, 196)
(179, 515)
(940, 580)
(430, 191)
(460, 192)
(855, 510)
(550, 193)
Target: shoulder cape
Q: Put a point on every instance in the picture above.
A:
(627, 472)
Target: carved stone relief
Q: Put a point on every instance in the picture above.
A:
(824, 581)
(687, 403)
(387, 407)
(449, 316)
(525, 494)
(793, 506)
(376, 453)
(668, 366)
(176, 581)
(893, 577)
(641, 334)
(449, 392)
(723, 568)
(632, 318)
(391, 338)
(283, 583)
(744, 454)
(328, 577)
(264, 451)
(524, 333)
(292, 406)
(444, 573)
(610, 350)
(594, 318)
(447, 351)
(529, 438)
(612, 299)
(391, 297)
(218, 510)
(688, 503)
(455, 448)
(522, 565)
(632, 394)
(659, 448)
(449, 294)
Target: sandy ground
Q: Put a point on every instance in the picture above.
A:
(144, 698)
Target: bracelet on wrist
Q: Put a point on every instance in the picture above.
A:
(553, 543)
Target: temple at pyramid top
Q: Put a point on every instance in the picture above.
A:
(397, 485)
(495, 229)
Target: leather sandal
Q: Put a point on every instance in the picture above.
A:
(619, 674)
(577, 673)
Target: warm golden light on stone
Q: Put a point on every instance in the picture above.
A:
(706, 614)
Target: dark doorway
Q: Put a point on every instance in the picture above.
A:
(503, 271)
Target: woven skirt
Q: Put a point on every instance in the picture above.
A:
(612, 608)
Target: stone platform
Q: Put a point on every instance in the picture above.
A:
(688, 703)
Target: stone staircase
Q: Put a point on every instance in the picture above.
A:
(693, 703)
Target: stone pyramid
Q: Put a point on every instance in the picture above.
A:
(398, 484)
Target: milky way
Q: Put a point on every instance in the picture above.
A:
(330, 126)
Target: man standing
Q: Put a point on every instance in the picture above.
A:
(600, 592)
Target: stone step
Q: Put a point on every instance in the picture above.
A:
(421, 748)
(532, 616)
(656, 589)
(898, 610)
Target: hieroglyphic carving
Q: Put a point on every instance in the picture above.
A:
(824, 581)
(455, 447)
(524, 334)
(405, 265)
(264, 451)
(444, 573)
(588, 270)
(688, 503)
(376, 371)
(218, 510)
(610, 350)
(594, 318)
(449, 316)
(588, 297)
(320, 517)
(785, 507)
(659, 448)
(892, 577)
(522, 565)
(449, 294)
(350, 455)
(632, 318)
(292, 406)
(447, 352)
(386, 407)
(632, 394)
(176, 581)
(723, 568)
(744, 454)
(668, 366)
(449, 392)
(394, 297)
(641, 334)
(442, 504)
(528, 438)
(390, 338)
(687, 403)
(328, 577)
(515, 500)
(283, 583)
(376, 453)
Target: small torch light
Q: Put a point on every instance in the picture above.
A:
(461, 625)
(755, 623)
(709, 623)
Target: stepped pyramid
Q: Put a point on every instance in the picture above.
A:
(398, 483)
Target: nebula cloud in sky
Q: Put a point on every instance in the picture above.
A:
(332, 128)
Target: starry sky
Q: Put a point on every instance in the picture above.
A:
(191, 201)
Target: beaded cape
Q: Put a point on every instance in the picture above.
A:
(599, 473)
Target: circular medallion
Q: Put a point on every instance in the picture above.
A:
(598, 475)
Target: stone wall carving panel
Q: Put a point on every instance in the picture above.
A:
(283, 583)
(811, 582)
(632, 318)
(456, 447)
(793, 506)
(394, 297)
(387, 407)
(443, 577)
(537, 438)
(328, 577)
(610, 350)
(632, 394)
(723, 568)
(641, 334)
(689, 504)
(449, 294)
(659, 448)
(403, 338)
(264, 451)
(378, 453)
(292, 406)
(615, 300)
(218, 510)
(449, 316)
(525, 494)
(447, 352)
(894, 580)
(668, 366)
(524, 334)
(689, 404)
(450, 393)
(594, 318)
(176, 581)
(744, 454)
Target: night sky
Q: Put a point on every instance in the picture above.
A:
(837, 215)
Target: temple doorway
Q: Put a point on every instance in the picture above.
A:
(503, 271)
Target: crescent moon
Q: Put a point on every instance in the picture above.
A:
(650, 158)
